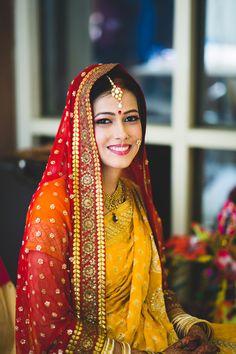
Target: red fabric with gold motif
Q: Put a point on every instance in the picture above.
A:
(61, 273)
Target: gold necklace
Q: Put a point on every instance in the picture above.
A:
(112, 201)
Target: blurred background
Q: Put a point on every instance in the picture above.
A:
(183, 53)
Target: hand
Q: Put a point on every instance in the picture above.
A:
(191, 343)
(196, 330)
(207, 348)
(184, 345)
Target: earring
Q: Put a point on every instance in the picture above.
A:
(138, 142)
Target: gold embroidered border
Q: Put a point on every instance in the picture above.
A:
(76, 216)
(73, 343)
(224, 344)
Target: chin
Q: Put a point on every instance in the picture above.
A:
(120, 165)
(117, 166)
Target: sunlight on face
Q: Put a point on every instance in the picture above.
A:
(117, 130)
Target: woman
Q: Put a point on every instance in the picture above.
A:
(90, 276)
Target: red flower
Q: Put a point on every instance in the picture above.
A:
(226, 264)
(227, 219)
(187, 246)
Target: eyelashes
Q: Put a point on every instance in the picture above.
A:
(104, 121)
(132, 118)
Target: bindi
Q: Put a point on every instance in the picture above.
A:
(119, 112)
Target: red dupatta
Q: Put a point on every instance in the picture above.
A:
(81, 324)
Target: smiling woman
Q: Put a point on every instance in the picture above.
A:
(117, 133)
(91, 277)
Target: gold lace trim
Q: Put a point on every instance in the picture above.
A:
(224, 343)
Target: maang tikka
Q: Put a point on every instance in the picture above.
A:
(116, 92)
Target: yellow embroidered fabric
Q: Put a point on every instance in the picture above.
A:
(135, 306)
(7, 318)
(225, 337)
(134, 298)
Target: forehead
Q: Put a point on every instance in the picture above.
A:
(107, 102)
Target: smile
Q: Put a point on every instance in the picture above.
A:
(120, 149)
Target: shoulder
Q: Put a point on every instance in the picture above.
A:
(48, 222)
(55, 189)
(51, 198)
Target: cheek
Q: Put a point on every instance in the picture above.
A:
(139, 133)
(99, 137)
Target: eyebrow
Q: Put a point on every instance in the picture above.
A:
(113, 114)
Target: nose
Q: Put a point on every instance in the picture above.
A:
(121, 131)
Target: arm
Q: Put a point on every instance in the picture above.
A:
(183, 323)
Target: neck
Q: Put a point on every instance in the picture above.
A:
(110, 178)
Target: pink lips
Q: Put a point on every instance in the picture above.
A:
(120, 149)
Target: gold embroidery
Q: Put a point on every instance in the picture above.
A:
(222, 343)
(87, 202)
(156, 300)
(96, 212)
(84, 135)
(88, 224)
(87, 343)
(86, 157)
(74, 339)
(88, 247)
(87, 180)
(112, 201)
(89, 271)
(114, 231)
(155, 265)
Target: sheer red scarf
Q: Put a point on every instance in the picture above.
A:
(74, 157)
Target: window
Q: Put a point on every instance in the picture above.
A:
(126, 31)
(215, 177)
(218, 93)
(186, 102)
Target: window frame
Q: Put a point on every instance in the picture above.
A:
(181, 135)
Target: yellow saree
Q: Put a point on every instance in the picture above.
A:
(135, 306)
(134, 298)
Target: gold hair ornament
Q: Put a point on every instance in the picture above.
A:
(116, 92)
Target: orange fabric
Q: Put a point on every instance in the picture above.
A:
(48, 303)
(50, 220)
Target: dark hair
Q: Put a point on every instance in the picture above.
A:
(125, 81)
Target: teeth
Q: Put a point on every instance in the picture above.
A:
(119, 148)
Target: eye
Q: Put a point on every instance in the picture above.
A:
(132, 118)
(102, 121)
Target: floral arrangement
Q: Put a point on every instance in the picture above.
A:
(210, 256)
